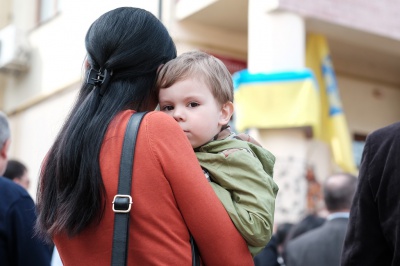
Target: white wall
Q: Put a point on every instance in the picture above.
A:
(57, 48)
(368, 105)
(190, 35)
(34, 130)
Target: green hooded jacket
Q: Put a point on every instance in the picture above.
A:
(241, 175)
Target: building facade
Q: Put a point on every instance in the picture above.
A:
(42, 69)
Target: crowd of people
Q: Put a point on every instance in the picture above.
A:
(222, 196)
(362, 223)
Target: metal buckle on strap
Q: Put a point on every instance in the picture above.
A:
(122, 203)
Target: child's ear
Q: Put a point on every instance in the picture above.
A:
(226, 113)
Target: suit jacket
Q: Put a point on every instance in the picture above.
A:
(269, 255)
(18, 246)
(319, 247)
(374, 227)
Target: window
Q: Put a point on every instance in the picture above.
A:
(47, 9)
(358, 147)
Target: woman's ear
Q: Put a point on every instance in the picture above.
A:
(226, 113)
(86, 64)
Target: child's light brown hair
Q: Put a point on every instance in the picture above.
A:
(201, 66)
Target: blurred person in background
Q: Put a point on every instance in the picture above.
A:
(17, 172)
(323, 245)
(373, 237)
(271, 255)
(18, 246)
(309, 222)
(79, 176)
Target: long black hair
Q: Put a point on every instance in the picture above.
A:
(131, 43)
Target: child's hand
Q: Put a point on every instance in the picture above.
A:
(248, 138)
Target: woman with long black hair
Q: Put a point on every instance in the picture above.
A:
(171, 198)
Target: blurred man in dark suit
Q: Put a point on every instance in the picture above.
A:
(323, 245)
(18, 246)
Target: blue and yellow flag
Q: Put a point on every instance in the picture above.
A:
(276, 100)
(309, 97)
(333, 124)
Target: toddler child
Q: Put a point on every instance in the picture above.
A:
(196, 90)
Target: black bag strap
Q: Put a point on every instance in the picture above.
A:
(195, 253)
(123, 200)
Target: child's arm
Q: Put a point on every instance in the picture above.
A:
(250, 192)
(225, 197)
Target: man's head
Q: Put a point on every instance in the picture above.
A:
(17, 172)
(4, 141)
(339, 190)
(196, 90)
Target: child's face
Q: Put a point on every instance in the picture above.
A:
(191, 103)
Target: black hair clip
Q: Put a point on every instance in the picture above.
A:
(99, 78)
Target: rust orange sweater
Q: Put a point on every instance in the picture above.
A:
(170, 195)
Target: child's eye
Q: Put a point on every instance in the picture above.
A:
(193, 104)
(167, 108)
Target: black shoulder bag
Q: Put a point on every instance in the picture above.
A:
(121, 204)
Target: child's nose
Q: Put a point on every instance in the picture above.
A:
(178, 114)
